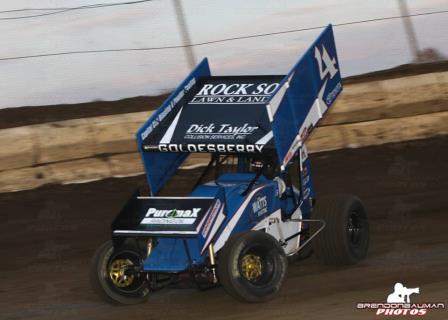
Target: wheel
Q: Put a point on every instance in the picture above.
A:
(345, 239)
(304, 253)
(114, 277)
(252, 266)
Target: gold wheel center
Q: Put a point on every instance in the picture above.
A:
(251, 267)
(117, 273)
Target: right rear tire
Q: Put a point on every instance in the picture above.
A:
(345, 239)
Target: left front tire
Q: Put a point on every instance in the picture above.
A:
(113, 275)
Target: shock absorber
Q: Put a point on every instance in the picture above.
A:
(211, 253)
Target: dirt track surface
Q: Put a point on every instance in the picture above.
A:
(49, 234)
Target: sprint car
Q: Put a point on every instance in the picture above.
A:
(253, 208)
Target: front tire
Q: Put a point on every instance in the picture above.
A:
(252, 266)
(109, 275)
(345, 239)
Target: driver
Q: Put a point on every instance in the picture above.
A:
(268, 165)
(270, 170)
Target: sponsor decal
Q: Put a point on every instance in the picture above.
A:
(234, 93)
(399, 303)
(292, 150)
(211, 217)
(306, 132)
(303, 154)
(296, 145)
(219, 132)
(333, 94)
(305, 170)
(172, 216)
(306, 179)
(306, 193)
(202, 147)
(260, 206)
(162, 115)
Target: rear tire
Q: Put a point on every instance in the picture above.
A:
(105, 275)
(304, 253)
(345, 239)
(252, 266)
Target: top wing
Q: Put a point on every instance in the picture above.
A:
(242, 114)
(223, 114)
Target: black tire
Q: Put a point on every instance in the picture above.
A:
(345, 239)
(271, 261)
(136, 292)
(304, 253)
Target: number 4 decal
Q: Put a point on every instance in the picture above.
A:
(324, 59)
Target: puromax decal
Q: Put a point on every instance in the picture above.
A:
(399, 303)
(170, 216)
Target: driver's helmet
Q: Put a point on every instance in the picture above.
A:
(270, 171)
(269, 167)
(256, 164)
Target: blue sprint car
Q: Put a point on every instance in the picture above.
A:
(253, 207)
